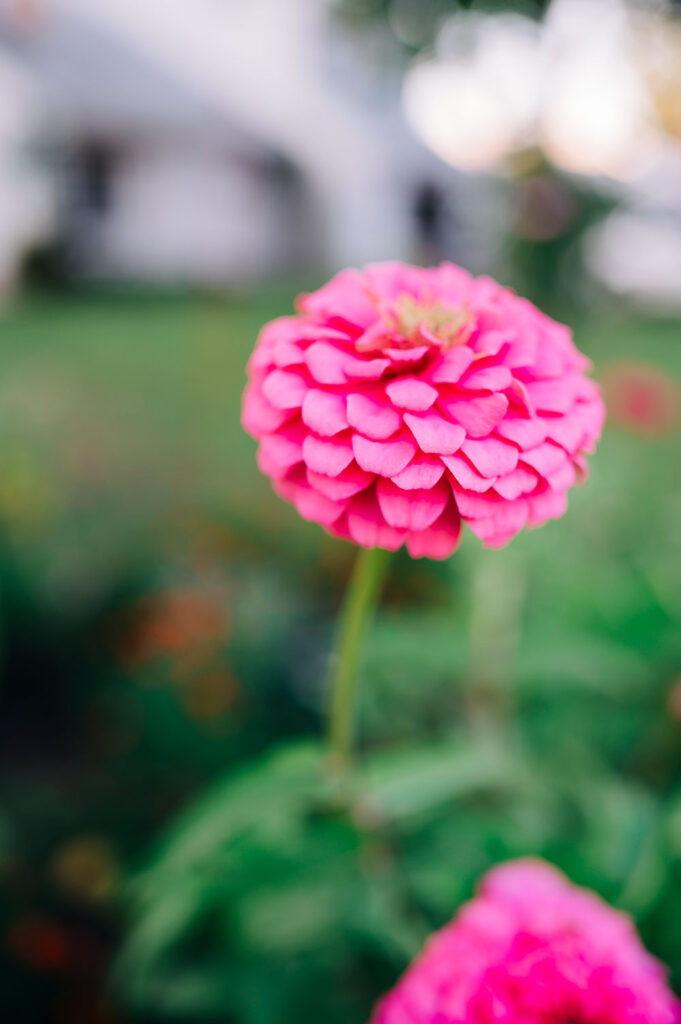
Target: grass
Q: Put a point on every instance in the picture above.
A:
(120, 414)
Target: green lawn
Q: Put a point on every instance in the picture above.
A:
(124, 473)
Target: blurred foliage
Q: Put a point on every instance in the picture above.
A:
(164, 628)
(415, 23)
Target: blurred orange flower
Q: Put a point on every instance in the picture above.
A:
(179, 622)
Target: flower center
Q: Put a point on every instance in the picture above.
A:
(410, 323)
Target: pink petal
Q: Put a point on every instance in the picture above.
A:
(328, 455)
(287, 354)
(521, 481)
(581, 467)
(324, 412)
(411, 510)
(563, 477)
(390, 279)
(279, 452)
(372, 416)
(406, 356)
(316, 507)
(326, 362)
(491, 456)
(522, 350)
(348, 483)
(567, 431)
(434, 433)
(422, 472)
(386, 458)
(365, 369)
(520, 397)
(258, 417)
(545, 458)
(453, 283)
(549, 505)
(440, 539)
(553, 395)
(490, 378)
(477, 506)
(411, 393)
(284, 389)
(464, 474)
(492, 341)
(509, 518)
(343, 300)
(372, 338)
(452, 365)
(367, 526)
(526, 433)
(478, 415)
(548, 361)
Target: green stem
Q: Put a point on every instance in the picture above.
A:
(355, 617)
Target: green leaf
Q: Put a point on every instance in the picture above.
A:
(283, 785)
(402, 782)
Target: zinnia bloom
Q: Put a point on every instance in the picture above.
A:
(400, 401)
(532, 949)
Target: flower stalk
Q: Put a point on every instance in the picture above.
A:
(359, 604)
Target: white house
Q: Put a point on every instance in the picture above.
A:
(216, 141)
(26, 195)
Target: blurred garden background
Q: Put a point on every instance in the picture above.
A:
(172, 174)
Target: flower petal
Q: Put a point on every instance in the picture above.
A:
(344, 300)
(491, 456)
(487, 378)
(545, 458)
(548, 505)
(464, 474)
(287, 354)
(567, 430)
(328, 455)
(402, 357)
(440, 539)
(520, 398)
(349, 482)
(563, 477)
(478, 415)
(326, 362)
(324, 412)
(411, 394)
(365, 369)
(279, 452)
(508, 519)
(284, 389)
(316, 507)
(423, 471)
(452, 365)
(386, 458)
(411, 510)
(434, 433)
(521, 481)
(553, 395)
(258, 417)
(367, 526)
(373, 416)
(526, 433)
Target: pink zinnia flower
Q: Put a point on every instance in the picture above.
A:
(532, 949)
(402, 400)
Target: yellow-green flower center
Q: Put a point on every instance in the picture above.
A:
(447, 325)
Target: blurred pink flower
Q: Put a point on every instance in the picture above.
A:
(402, 400)
(532, 949)
(642, 398)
